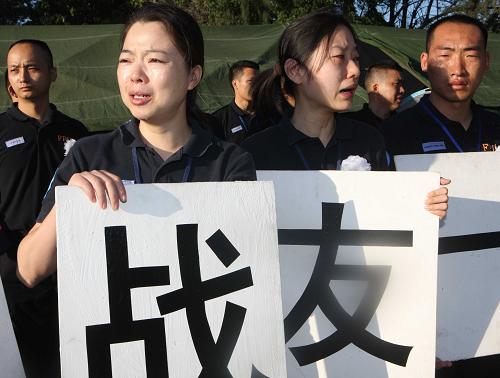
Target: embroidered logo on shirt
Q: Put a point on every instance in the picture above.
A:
(434, 146)
(14, 142)
(490, 147)
(128, 182)
(236, 129)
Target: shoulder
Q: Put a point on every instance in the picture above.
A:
(237, 164)
(98, 145)
(263, 139)
(63, 120)
(408, 118)
(219, 113)
(492, 119)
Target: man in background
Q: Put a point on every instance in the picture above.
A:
(384, 85)
(236, 118)
(33, 135)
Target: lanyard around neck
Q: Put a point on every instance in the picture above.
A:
(137, 168)
(306, 163)
(448, 133)
(243, 123)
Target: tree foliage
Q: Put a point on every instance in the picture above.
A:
(395, 13)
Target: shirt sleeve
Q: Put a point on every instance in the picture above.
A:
(241, 168)
(68, 167)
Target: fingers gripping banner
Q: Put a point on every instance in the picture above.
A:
(358, 272)
(182, 281)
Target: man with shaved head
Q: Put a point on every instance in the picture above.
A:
(33, 134)
(384, 85)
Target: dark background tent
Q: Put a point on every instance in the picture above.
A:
(86, 58)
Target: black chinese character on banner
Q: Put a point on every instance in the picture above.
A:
(121, 327)
(350, 329)
(213, 355)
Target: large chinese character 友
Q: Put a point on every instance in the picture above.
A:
(350, 329)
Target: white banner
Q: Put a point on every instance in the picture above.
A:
(182, 281)
(358, 273)
(10, 360)
(468, 323)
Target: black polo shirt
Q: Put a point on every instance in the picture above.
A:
(203, 158)
(364, 115)
(415, 131)
(283, 147)
(235, 123)
(29, 155)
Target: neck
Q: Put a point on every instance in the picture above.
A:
(379, 110)
(39, 110)
(242, 103)
(456, 111)
(315, 123)
(165, 138)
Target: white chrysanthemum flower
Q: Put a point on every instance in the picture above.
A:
(355, 163)
(67, 146)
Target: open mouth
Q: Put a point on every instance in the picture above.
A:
(139, 98)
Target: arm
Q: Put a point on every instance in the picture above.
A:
(36, 255)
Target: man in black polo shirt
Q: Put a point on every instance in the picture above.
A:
(448, 120)
(384, 85)
(33, 134)
(236, 118)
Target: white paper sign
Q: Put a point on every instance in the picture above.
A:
(184, 274)
(10, 360)
(468, 323)
(339, 319)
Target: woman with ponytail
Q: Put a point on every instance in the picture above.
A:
(319, 68)
(159, 68)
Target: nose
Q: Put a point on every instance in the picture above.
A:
(457, 66)
(353, 69)
(24, 75)
(138, 73)
(402, 89)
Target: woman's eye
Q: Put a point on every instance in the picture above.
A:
(123, 60)
(155, 60)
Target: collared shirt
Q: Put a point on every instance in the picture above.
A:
(415, 131)
(29, 155)
(283, 147)
(365, 115)
(209, 159)
(236, 124)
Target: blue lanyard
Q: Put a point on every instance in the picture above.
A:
(306, 163)
(447, 132)
(137, 168)
(243, 123)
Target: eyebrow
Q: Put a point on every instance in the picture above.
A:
(147, 51)
(468, 48)
(343, 47)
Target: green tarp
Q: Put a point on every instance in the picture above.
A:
(86, 58)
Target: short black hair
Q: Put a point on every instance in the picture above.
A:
(375, 68)
(456, 19)
(40, 44)
(385, 65)
(237, 68)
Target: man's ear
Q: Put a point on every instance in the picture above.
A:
(295, 71)
(12, 94)
(423, 61)
(375, 88)
(195, 77)
(53, 74)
